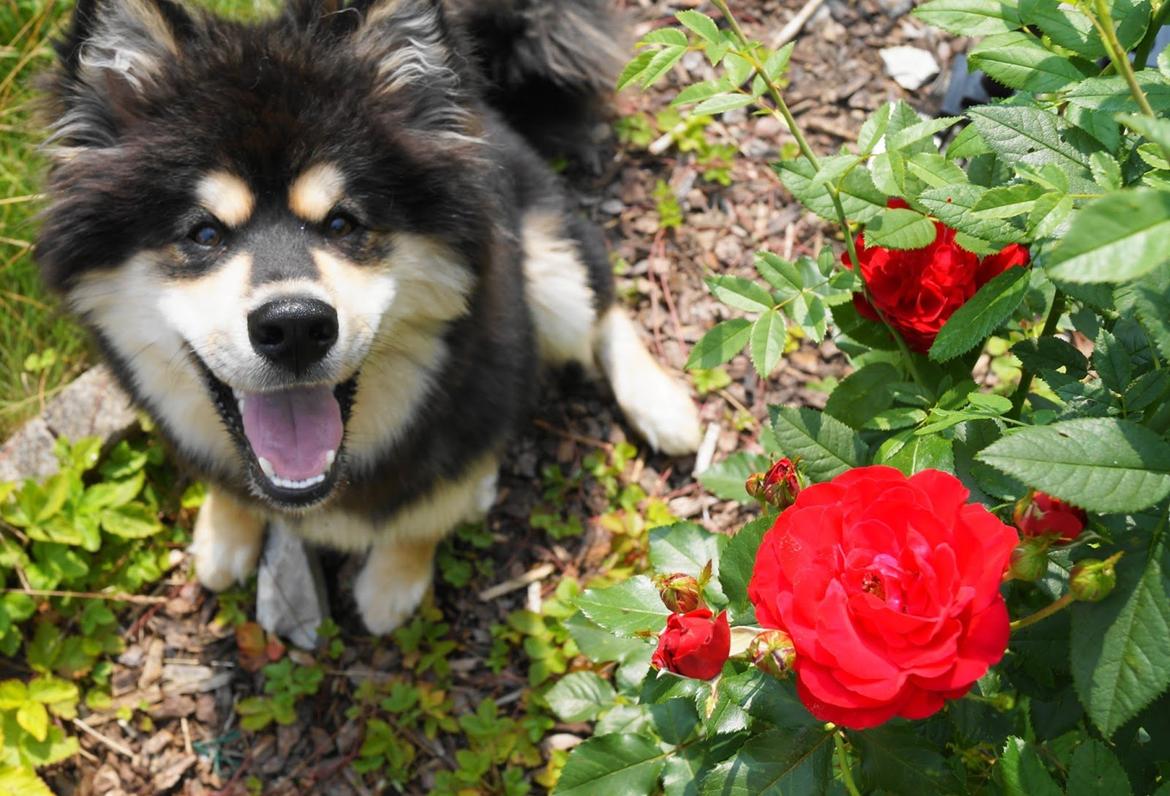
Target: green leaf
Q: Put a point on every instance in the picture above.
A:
(738, 561)
(1121, 645)
(685, 547)
(1095, 771)
(1116, 238)
(1065, 25)
(1112, 95)
(860, 198)
(612, 765)
(132, 521)
(109, 494)
(33, 719)
(721, 103)
(919, 131)
(1009, 201)
(701, 24)
(725, 480)
(912, 453)
(742, 294)
(1104, 465)
(720, 344)
(775, 763)
(955, 205)
(970, 17)
(826, 446)
(697, 92)
(50, 690)
(627, 609)
(634, 68)
(1018, 60)
(1022, 772)
(1148, 297)
(898, 759)
(20, 781)
(1027, 135)
(13, 694)
(662, 62)
(769, 336)
(601, 646)
(900, 228)
(580, 696)
(863, 393)
(981, 315)
(1112, 361)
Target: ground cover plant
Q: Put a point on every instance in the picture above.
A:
(1045, 400)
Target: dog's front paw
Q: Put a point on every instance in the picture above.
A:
(391, 586)
(227, 542)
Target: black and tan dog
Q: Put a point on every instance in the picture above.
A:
(323, 253)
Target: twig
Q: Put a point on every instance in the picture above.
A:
(515, 584)
(706, 451)
(794, 26)
(139, 599)
(120, 748)
(592, 442)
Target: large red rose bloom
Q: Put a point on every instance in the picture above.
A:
(918, 290)
(889, 588)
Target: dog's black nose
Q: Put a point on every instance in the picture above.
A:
(294, 333)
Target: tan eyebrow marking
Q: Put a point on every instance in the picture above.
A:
(227, 197)
(316, 191)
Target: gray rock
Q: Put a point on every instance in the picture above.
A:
(911, 67)
(92, 406)
(290, 592)
(28, 453)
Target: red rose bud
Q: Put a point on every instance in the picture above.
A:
(1030, 559)
(778, 487)
(918, 290)
(680, 593)
(772, 652)
(1092, 581)
(694, 645)
(1038, 514)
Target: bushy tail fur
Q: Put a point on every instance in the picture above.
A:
(547, 64)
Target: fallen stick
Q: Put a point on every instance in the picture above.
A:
(794, 26)
(515, 584)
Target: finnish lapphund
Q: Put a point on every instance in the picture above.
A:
(324, 253)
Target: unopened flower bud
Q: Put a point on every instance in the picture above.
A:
(1092, 581)
(1030, 559)
(680, 593)
(1003, 702)
(778, 487)
(773, 652)
(1038, 514)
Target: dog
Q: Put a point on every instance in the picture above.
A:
(324, 254)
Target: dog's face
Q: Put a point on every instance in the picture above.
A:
(268, 227)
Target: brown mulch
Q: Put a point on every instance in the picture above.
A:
(184, 678)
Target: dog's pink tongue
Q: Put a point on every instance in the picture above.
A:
(293, 429)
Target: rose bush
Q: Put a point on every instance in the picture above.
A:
(889, 588)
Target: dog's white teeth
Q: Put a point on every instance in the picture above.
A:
(268, 469)
(329, 457)
(287, 483)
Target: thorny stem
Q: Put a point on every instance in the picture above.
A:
(1103, 21)
(805, 150)
(843, 762)
(1043, 613)
(1027, 375)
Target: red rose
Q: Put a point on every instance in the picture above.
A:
(918, 290)
(779, 486)
(889, 588)
(694, 644)
(1038, 514)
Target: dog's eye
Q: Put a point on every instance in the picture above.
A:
(339, 225)
(206, 234)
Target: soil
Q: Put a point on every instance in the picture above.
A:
(191, 744)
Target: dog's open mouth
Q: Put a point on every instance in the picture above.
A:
(293, 437)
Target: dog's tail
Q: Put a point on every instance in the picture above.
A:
(547, 63)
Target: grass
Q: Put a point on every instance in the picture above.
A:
(31, 321)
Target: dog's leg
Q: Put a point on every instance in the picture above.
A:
(228, 537)
(393, 581)
(656, 404)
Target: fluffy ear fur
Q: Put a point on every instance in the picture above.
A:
(113, 52)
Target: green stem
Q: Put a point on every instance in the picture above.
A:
(807, 152)
(1043, 613)
(1141, 53)
(1027, 375)
(1103, 20)
(843, 762)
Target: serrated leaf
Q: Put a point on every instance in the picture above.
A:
(1026, 135)
(33, 719)
(862, 393)
(634, 69)
(1065, 25)
(20, 781)
(967, 144)
(580, 696)
(774, 763)
(738, 560)
(970, 17)
(630, 608)
(900, 228)
(13, 694)
(934, 170)
(132, 521)
(612, 765)
(1104, 465)
(721, 103)
(1095, 771)
(768, 337)
(827, 447)
(1008, 201)
(1112, 361)
(1018, 60)
(912, 452)
(1111, 94)
(662, 62)
(860, 198)
(1148, 298)
(896, 759)
(920, 131)
(1022, 772)
(700, 91)
(685, 547)
(720, 344)
(743, 294)
(981, 315)
(954, 206)
(1121, 646)
(725, 479)
(703, 26)
(601, 646)
(1117, 238)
